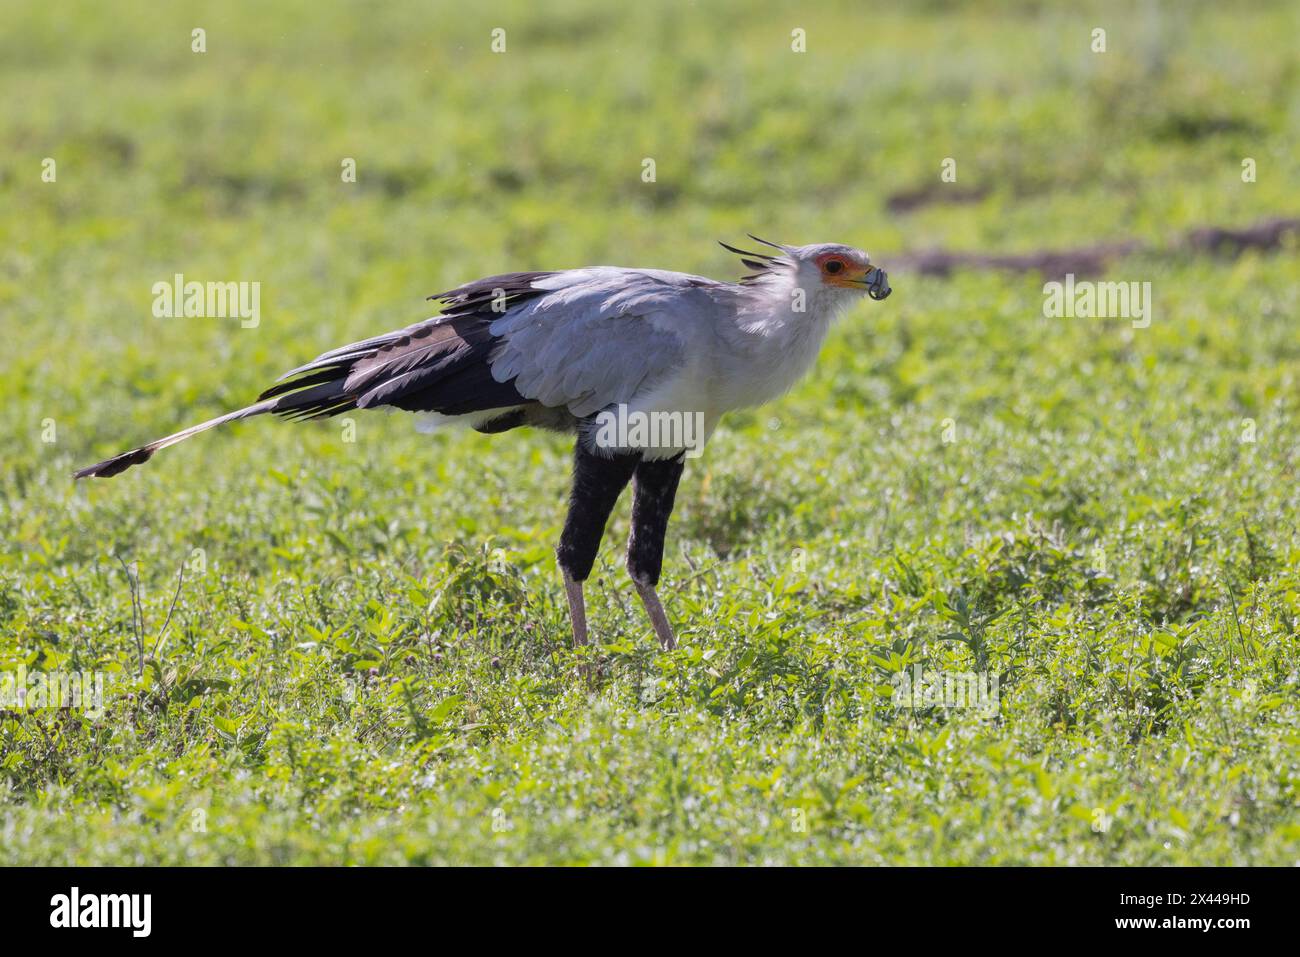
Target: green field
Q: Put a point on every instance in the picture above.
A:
(369, 658)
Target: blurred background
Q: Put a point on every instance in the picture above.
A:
(469, 162)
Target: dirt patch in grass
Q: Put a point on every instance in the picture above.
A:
(1268, 235)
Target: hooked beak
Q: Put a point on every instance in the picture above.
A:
(877, 283)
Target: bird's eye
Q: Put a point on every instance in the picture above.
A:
(833, 266)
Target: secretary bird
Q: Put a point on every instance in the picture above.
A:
(564, 351)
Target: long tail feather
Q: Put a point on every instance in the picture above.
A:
(120, 463)
(439, 365)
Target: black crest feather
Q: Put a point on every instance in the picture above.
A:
(761, 263)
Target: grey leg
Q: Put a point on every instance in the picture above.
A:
(577, 608)
(654, 488)
(658, 617)
(597, 482)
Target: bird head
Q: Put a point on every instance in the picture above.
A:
(831, 266)
(840, 267)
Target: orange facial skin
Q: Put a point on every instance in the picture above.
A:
(850, 274)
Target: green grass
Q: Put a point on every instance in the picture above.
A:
(369, 658)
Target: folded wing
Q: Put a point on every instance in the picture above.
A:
(599, 337)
